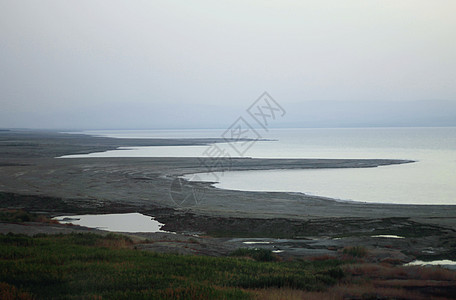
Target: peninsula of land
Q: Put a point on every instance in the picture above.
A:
(32, 178)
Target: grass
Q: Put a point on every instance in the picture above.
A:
(355, 251)
(90, 266)
(80, 266)
(19, 216)
(10, 292)
(256, 254)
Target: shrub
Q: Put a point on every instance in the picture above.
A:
(12, 215)
(10, 292)
(256, 254)
(356, 251)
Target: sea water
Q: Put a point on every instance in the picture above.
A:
(430, 180)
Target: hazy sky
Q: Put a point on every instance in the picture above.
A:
(147, 64)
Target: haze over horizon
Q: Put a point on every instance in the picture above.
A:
(200, 64)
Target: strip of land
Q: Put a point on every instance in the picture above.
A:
(32, 179)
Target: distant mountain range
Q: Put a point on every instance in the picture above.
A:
(163, 115)
(368, 114)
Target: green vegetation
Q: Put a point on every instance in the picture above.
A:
(92, 266)
(7, 215)
(19, 216)
(256, 254)
(356, 251)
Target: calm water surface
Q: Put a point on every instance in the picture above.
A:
(132, 222)
(431, 180)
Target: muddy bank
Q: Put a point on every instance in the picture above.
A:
(18, 144)
(147, 184)
(32, 179)
(433, 244)
(388, 239)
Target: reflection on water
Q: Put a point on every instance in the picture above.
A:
(157, 133)
(132, 222)
(448, 264)
(428, 181)
(150, 151)
(388, 236)
(256, 242)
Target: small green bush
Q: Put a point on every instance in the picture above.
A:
(8, 215)
(256, 254)
(355, 251)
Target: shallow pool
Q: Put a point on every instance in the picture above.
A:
(131, 222)
(445, 263)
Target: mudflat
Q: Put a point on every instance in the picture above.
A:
(33, 179)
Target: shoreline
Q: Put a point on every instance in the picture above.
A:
(42, 184)
(147, 181)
